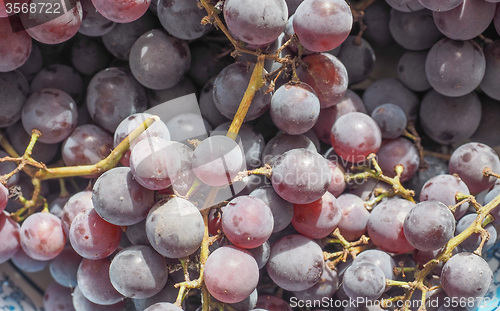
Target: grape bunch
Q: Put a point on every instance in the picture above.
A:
(252, 155)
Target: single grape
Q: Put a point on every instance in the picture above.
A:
(148, 63)
(455, 68)
(89, 55)
(92, 237)
(261, 254)
(207, 104)
(398, 151)
(301, 176)
(4, 197)
(282, 143)
(87, 145)
(391, 119)
(93, 23)
(317, 219)
(15, 46)
(440, 6)
(231, 274)
(294, 108)
(138, 272)
(112, 95)
(414, 30)
(9, 233)
(175, 228)
(466, 275)
(385, 225)
(119, 185)
(473, 242)
(14, 90)
(57, 297)
(42, 236)
(355, 216)
(380, 259)
(39, 111)
(470, 160)
(354, 136)
(363, 280)
(27, 264)
(351, 52)
(187, 126)
(122, 11)
(376, 19)
(217, 160)
(405, 5)
(268, 302)
(327, 76)
(33, 64)
(300, 271)
(58, 26)
(230, 86)
(411, 70)
(492, 72)
(466, 21)
(94, 282)
(259, 22)
(182, 19)
(64, 267)
(337, 184)
(429, 225)
(59, 77)
(247, 222)
(322, 25)
(326, 286)
(444, 188)
(81, 303)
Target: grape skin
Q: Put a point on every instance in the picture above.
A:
(391, 119)
(466, 275)
(300, 176)
(281, 209)
(352, 225)
(163, 306)
(231, 274)
(15, 47)
(93, 23)
(350, 54)
(473, 242)
(429, 225)
(42, 236)
(9, 232)
(122, 11)
(322, 25)
(57, 297)
(326, 286)
(282, 143)
(27, 264)
(80, 303)
(440, 6)
(14, 90)
(298, 272)
(78, 202)
(364, 280)
(64, 267)
(182, 18)
(60, 77)
(380, 259)
(492, 72)
(94, 282)
(398, 151)
(411, 70)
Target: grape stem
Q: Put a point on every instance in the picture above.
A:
(411, 133)
(376, 173)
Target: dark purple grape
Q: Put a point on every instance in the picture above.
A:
(93, 23)
(148, 63)
(94, 282)
(470, 160)
(163, 306)
(15, 47)
(391, 119)
(380, 259)
(259, 22)
(229, 87)
(122, 11)
(298, 272)
(450, 120)
(473, 242)
(182, 18)
(112, 95)
(411, 70)
(268, 302)
(184, 87)
(492, 72)
(33, 64)
(207, 60)
(405, 5)
(60, 77)
(414, 30)
(429, 225)
(89, 56)
(376, 19)
(326, 286)
(358, 57)
(301, 176)
(282, 143)
(322, 25)
(14, 90)
(440, 6)
(364, 280)
(57, 297)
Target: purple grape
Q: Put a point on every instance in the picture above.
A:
(363, 280)
(206, 63)
(351, 53)
(93, 23)
(473, 242)
(376, 19)
(326, 286)
(138, 272)
(405, 5)
(455, 68)
(301, 176)
(39, 111)
(380, 259)
(175, 228)
(299, 272)
(14, 90)
(57, 297)
(492, 72)
(450, 120)
(184, 87)
(15, 47)
(257, 23)
(469, 162)
(294, 108)
(182, 19)
(78, 202)
(148, 63)
(89, 56)
(112, 95)
(391, 119)
(466, 21)
(59, 77)
(163, 306)
(186, 126)
(122, 11)
(268, 302)
(83, 304)
(9, 232)
(261, 254)
(281, 209)
(322, 25)
(414, 30)
(466, 275)
(231, 274)
(398, 151)
(167, 294)
(33, 64)
(229, 88)
(27, 264)
(443, 188)
(354, 136)
(94, 282)
(87, 144)
(411, 70)
(64, 267)
(385, 225)
(440, 6)
(42, 236)
(429, 225)
(355, 216)
(4, 197)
